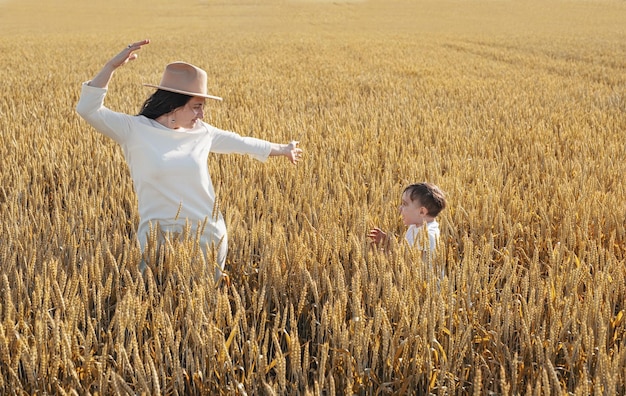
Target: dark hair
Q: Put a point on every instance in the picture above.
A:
(429, 196)
(162, 102)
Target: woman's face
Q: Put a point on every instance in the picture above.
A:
(187, 115)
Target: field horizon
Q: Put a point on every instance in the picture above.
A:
(517, 110)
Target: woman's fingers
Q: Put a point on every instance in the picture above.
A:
(297, 155)
(137, 45)
(127, 54)
(295, 152)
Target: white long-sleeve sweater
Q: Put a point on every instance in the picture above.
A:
(169, 168)
(413, 234)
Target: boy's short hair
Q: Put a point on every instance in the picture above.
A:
(429, 195)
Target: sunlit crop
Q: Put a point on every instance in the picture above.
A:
(516, 110)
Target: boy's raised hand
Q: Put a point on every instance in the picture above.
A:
(377, 236)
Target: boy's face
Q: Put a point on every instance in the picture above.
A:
(412, 212)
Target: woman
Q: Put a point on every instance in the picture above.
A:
(166, 147)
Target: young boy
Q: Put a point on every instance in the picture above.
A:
(421, 203)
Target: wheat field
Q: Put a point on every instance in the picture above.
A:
(517, 110)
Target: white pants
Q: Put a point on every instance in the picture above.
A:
(172, 234)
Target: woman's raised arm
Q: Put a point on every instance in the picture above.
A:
(101, 80)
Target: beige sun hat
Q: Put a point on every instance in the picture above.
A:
(184, 78)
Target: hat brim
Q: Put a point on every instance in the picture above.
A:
(183, 92)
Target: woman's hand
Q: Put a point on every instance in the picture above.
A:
(294, 154)
(127, 54)
(101, 80)
(291, 151)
